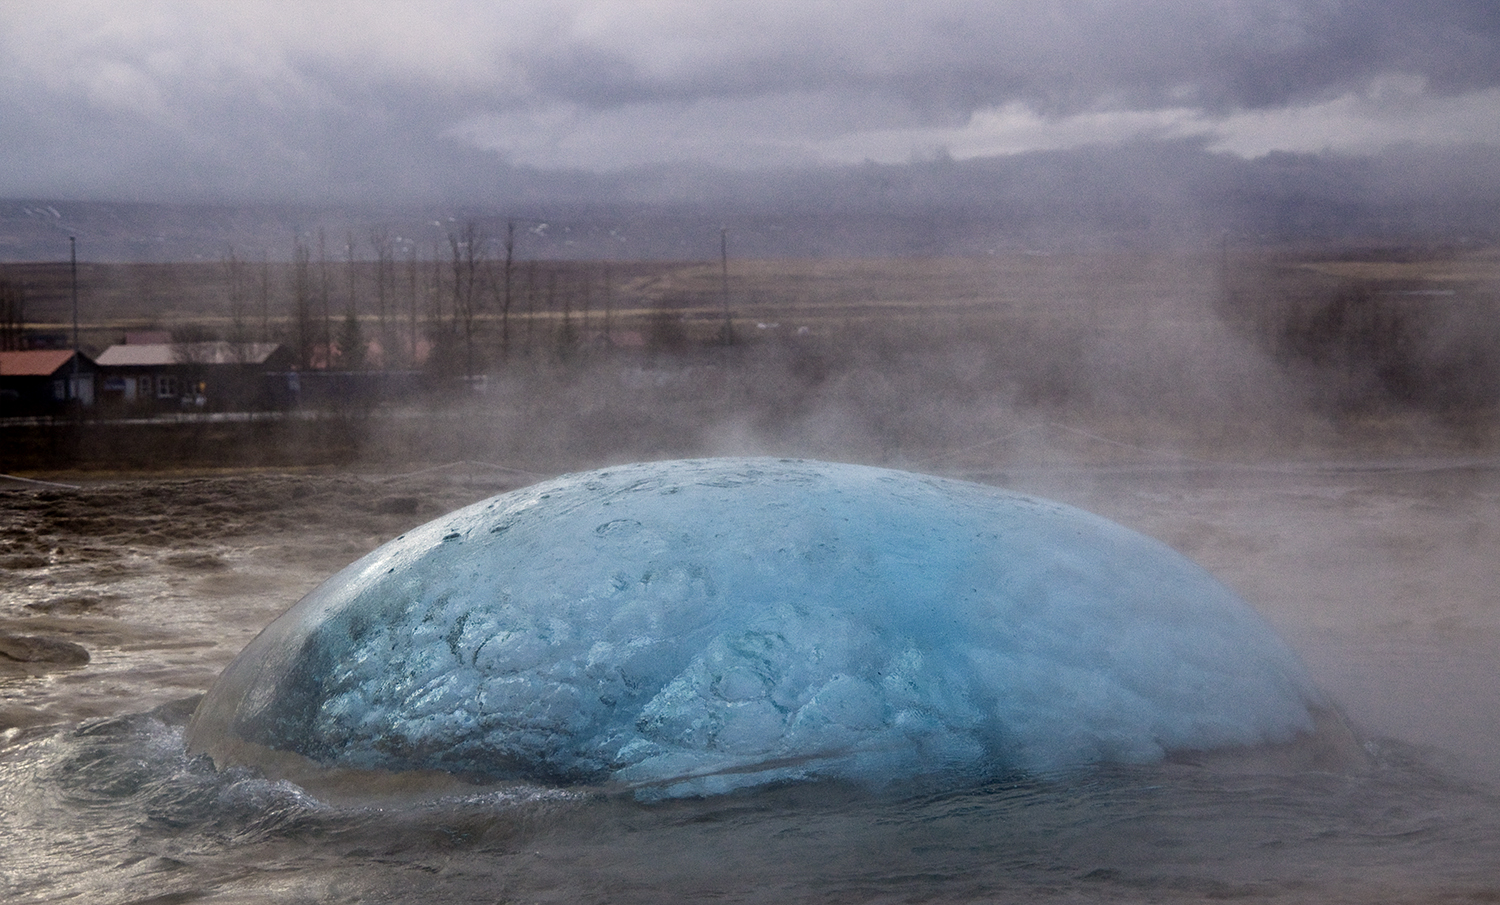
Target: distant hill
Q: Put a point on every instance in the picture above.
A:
(1147, 194)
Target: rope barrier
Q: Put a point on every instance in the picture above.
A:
(1164, 456)
(11, 477)
(466, 464)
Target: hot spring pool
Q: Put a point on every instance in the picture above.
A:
(1379, 577)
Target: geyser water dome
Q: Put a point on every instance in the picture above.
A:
(693, 627)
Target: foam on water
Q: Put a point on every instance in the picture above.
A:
(693, 627)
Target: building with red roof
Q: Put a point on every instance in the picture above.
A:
(43, 381)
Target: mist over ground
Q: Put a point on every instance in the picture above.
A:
(957, 364)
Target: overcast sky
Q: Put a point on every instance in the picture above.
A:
(438, 100)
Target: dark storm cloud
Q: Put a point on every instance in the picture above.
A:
(1453, 44)
(957, 56)
(421, 101)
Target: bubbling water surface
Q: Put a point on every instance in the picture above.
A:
(1382, 575)
(115, 811)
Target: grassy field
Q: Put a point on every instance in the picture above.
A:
(208, 298)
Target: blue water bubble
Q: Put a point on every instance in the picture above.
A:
(695, 627)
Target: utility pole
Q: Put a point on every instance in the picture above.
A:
(73, 266)
(510, 258)
(609, 302)
(728, 337)
(1224, 292)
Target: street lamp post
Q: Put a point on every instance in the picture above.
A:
(73, 267)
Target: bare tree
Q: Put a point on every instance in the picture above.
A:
(726, 333)
(12, 316)
(239, 337)
(468, 258)
(325, 293)
(567, 333)
(502, 292)
(351, 334)
(609, 304)
(411, 298)
(435, 293)
(441, 327)
(457, 247)
(351, 342)
(585, 283)
(385, 276)
(304, 326)
(530, 306)
(265, 297)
